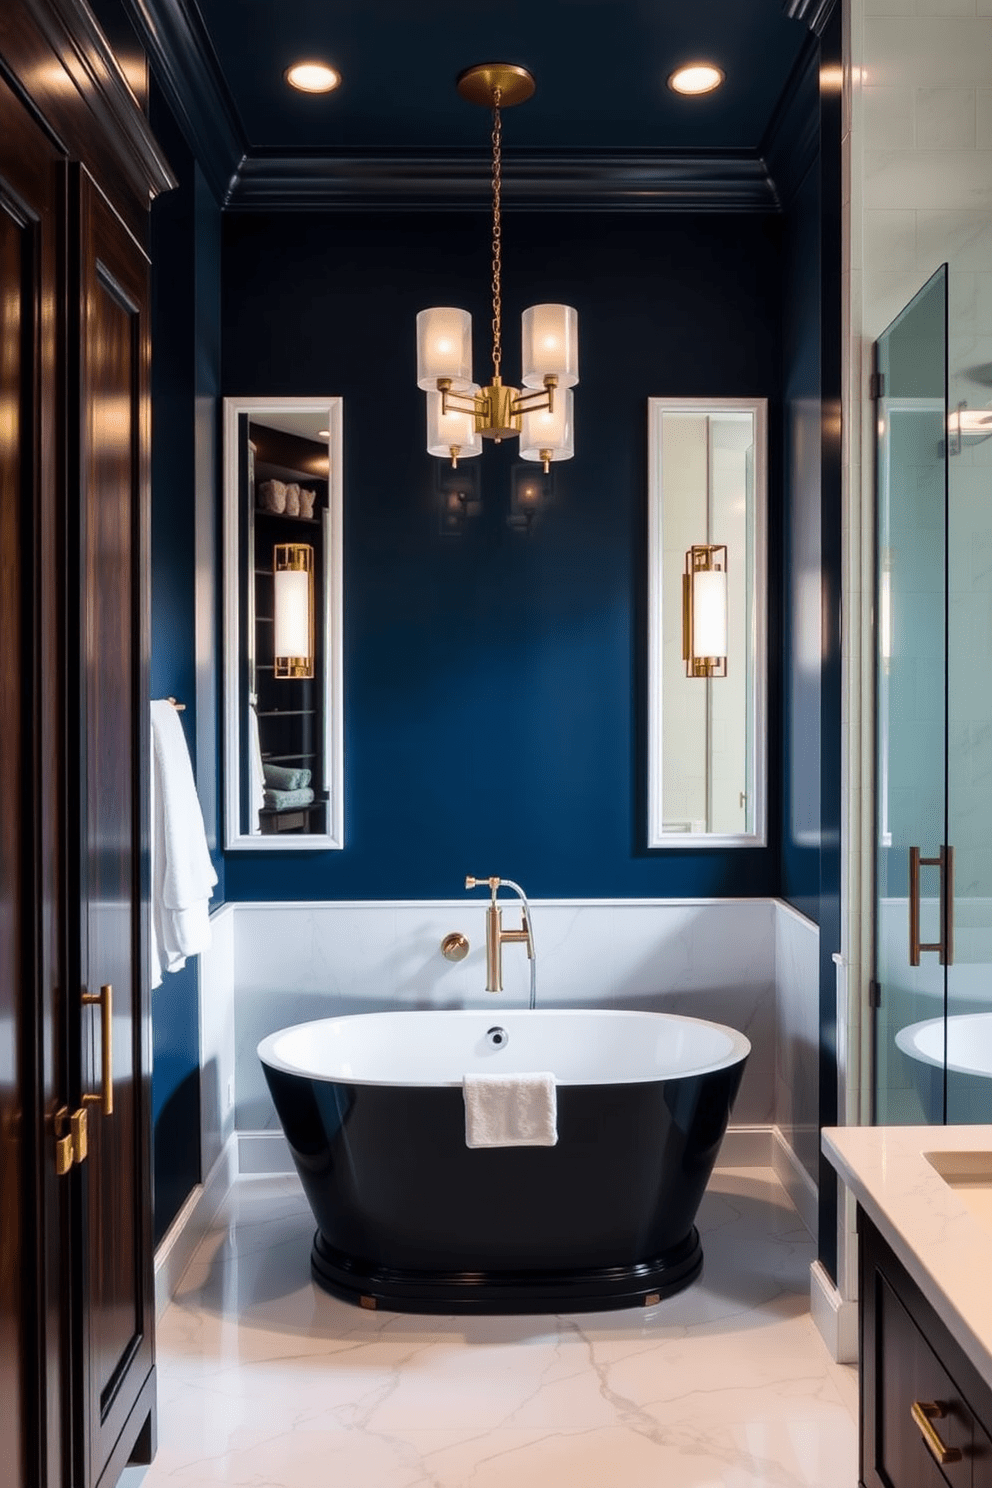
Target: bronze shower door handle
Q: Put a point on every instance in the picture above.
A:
(945, 945)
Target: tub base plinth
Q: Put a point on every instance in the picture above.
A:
(506, 1292)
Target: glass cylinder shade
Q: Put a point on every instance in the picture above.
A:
(552, 431)
(444, 347)
(550, 345)
(452, 430)
(709, 613)
(292, 587)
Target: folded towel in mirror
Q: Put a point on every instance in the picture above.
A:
(510, 1110)
(281, 777)
(272, 495)
(277, 800)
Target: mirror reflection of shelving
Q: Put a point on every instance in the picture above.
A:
(288, 492)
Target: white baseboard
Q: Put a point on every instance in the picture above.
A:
(175, 1251)
(796, 1181)
(746, 1147)
(836, 1318)
(263, 1152)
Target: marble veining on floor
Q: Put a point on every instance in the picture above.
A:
(267, 1382)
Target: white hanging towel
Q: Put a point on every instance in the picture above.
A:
(510, 1110)
(182, 873)
(256, 778)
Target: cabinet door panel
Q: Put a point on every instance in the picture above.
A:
(117, 1284)
(910, 1371)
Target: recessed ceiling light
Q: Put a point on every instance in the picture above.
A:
(323, 433)
(696, 77)
(312, 77)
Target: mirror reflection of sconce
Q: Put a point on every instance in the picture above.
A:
(704, 610)
(292, 591)
(968, 426)
(283, 624)
(530, 490)
(706, 621)
(459, 500)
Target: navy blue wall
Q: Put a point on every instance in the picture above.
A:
(811, 575)
(495, 682)
(801, 576)
(181, 220)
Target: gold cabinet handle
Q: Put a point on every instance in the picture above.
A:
(945, 945)
(105, 1002)
(72, 1146)
(924, 1413)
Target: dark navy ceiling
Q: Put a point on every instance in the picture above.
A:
(603, 132)
(601, 68)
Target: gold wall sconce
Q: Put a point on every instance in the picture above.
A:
(460, 414)
(293, 627)
(704, 610)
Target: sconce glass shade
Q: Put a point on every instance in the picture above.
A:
(709, 614)
(704, 611)
(544, 430)
(452, 430)
(550, 336)
(444, 347)
(292, 587)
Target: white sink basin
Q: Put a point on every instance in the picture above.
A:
(970, 1175)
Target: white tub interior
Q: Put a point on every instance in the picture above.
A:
(579, 1047)
(969, 1042)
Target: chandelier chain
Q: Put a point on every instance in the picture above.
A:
(497, 235)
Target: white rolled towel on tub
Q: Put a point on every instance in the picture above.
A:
(510, 1110)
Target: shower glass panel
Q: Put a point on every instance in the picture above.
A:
(912, 867)
(969, 717)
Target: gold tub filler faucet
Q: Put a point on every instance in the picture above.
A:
(496, 936)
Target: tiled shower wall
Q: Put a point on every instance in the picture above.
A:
(750, 963)
(918, 187)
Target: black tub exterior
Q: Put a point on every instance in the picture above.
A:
(411, 1219)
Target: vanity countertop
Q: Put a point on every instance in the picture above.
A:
(939, 1232)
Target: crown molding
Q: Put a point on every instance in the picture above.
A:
(80, 64)
(189, 75)
(814, 13)
(539, 181)
(791, 143)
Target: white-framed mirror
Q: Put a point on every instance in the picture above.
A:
(283, 617)
(707, 577)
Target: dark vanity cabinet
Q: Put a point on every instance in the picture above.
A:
(78, 170)
(922, 1399)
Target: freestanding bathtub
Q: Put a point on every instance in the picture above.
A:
(411, 1218)
(968, 1051)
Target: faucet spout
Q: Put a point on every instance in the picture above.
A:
(497, 937)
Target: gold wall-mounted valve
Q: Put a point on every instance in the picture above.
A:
(454, 947)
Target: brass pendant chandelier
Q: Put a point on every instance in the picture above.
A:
(460, 414)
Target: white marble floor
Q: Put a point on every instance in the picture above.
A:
(267, 1382)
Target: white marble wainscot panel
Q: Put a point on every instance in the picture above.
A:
(797, 1050)
(264, 1379)
(709, 959)
(217, 1061)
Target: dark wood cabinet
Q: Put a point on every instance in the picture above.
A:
(78, 168)
(926, 1412)
(113, 632)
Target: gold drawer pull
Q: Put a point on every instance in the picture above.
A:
(105, 1002)
(924, 1413)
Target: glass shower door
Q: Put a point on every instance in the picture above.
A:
(913, 868)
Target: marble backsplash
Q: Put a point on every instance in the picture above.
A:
(751, 963)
